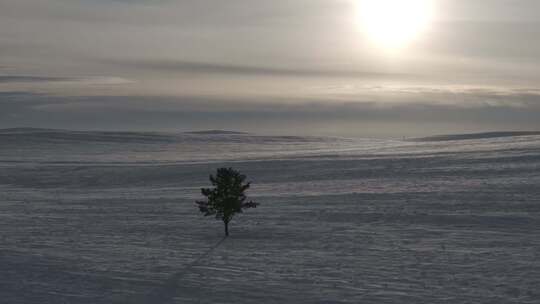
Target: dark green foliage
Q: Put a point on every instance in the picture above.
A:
(227, 197)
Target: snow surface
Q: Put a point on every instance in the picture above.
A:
(95, 217)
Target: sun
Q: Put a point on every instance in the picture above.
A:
(394, 23)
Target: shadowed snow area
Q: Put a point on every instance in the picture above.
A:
(109, 217)
(476, 136)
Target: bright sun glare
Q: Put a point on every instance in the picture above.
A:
(394, 23)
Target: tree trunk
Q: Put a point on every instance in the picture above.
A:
(226, 228)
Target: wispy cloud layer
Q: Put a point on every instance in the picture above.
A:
(209, 68)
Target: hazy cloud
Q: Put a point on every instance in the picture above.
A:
(326, 117)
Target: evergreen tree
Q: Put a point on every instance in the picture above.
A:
(227, 197)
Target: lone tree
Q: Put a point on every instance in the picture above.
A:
(227, 197)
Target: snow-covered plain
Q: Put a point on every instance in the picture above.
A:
(90, 217)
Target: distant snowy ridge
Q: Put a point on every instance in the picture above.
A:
(217, 132)
(476, 136)
(28, 130)
(82, 136)
(225, 136)
(60, 146)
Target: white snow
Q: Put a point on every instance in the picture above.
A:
(93, 217)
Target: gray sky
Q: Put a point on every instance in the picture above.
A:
(280, 66)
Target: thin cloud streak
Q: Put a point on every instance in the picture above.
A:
(19, 79)
(192, 68)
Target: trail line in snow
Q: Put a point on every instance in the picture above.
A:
(167, 291)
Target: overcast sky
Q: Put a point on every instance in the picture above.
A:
(280, 66)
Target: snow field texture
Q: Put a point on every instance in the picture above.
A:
(89, 217)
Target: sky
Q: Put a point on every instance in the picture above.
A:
(349, 68)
